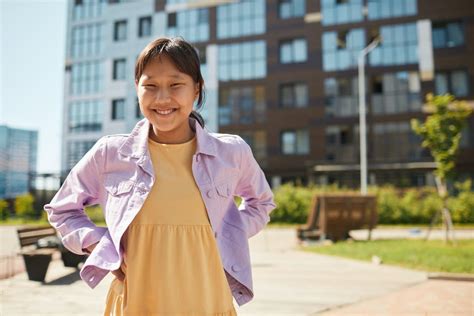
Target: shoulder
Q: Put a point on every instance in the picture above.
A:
(112, 141)
(230, 141)
(232, 146)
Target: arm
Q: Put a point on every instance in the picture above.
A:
(82, 187)
(257, 196)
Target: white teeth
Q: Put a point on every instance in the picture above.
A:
(165, 112)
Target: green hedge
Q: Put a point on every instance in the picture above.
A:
(410, 206)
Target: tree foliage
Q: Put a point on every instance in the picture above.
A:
(441, 131)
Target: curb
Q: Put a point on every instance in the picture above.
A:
(451, 277)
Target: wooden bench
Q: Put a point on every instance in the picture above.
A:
(332, 216)
(36, 258)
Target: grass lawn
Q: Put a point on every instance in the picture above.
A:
(433, 255)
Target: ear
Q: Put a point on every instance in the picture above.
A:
(196, 88)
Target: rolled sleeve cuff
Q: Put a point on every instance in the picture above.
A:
(82, 238)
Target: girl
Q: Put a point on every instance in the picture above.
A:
(175, 240)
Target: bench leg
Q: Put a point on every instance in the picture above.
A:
(37, 266)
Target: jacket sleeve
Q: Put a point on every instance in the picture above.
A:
(257, 196)
(82, 187)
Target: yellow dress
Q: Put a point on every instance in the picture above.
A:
(171, 261)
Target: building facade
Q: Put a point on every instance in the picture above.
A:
(18, 156)
(283, 75)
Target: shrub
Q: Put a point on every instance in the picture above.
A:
(24, 206)
(410, 206)
(4, 213)
(95, 214)
(292, 204)
(462, 206)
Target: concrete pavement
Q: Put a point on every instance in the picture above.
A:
(286, 282)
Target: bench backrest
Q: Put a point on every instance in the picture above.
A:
(313, 215)
(341, 213)
(30, 235)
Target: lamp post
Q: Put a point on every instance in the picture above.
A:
(362, 115)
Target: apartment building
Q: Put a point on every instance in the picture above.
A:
(18, 156)
(283, 75)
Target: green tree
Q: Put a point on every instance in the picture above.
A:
(24, 206)
(441, 133)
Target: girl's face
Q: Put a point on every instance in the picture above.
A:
(166, 97)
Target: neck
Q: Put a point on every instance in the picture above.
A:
(171, 137)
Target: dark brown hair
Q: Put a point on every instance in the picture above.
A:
(183, 55)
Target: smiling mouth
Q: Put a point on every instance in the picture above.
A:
(165, 112)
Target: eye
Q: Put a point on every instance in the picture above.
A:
(149, 86)
(176, 84)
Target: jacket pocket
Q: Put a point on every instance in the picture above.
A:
(118, 194)
(118, 187)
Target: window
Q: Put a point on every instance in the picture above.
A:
(242, 18)
(396, 93)
(172, 19)
(192, 25)
(295, 142)
(118, 109)
(341, 11)
(341, 96)
(120, 31)
(453, 82)
(447, 34)
(242, 61)
(85, 116)
(144, 26)
(341, 143)
(119, 72)
(76, 150)
(291, 8)
(244, 105)
(340, 49)
(293, 51)
(383, 9)
(86, 77)
(399, 45)
(88, 9)
(294, 95)
(87, 40)
(396, 142)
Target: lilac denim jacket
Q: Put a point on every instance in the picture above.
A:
(117, 173)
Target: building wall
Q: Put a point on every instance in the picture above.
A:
(18, 157)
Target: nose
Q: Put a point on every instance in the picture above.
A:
(163, 96)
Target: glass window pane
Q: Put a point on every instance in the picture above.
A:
(301, 93)
(459, 83)
(289, 142)
(455, 34)
(300, 50)
(441, 84)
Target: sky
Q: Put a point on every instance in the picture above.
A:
(32, 56)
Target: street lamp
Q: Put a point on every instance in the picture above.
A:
(362, 118)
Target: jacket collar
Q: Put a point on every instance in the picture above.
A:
(136, 143)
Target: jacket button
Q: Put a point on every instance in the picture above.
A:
(211, 194)
(235, 268)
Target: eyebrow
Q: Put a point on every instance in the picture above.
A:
(171, 76)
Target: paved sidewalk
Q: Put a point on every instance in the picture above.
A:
(286, 282)
(428, 298)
